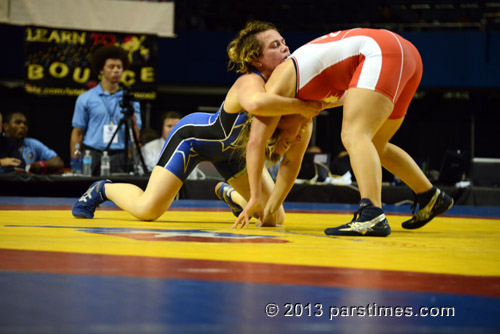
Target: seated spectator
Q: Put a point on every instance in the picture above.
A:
(151, 151)
(38, 157)
(341, 164)
(10, 158)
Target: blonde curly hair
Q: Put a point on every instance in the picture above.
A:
(246, 47)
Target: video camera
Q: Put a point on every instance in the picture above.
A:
(127, 98)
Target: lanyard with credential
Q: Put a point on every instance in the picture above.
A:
(111, 113)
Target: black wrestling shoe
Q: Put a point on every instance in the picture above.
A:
(439, 203)
(368, 221)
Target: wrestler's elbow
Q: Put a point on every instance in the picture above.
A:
(255, 105)
(254, 108)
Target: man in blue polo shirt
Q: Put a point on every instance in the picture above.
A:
(38, 157)
(98, 112)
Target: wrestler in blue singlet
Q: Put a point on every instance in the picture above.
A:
(204, 137)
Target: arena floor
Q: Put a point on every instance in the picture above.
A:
(189, 272)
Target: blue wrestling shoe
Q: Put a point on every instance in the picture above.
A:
(368, 221)
(439, 203)
(223, 192)
(93, 197)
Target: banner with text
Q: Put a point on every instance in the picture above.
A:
(58, 62)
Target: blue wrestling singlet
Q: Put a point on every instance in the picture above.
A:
(204, 137)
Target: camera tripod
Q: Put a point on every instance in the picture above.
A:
(130, 135)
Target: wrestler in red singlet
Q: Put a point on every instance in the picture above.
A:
(379, 60)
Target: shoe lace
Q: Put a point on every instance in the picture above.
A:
(358, 213)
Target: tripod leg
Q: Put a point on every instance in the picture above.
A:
(136, 150)
(120, 124)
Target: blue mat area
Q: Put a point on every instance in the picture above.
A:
(104, 304)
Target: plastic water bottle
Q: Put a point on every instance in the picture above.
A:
(105, 164)
(76, 161)
(87, 163)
